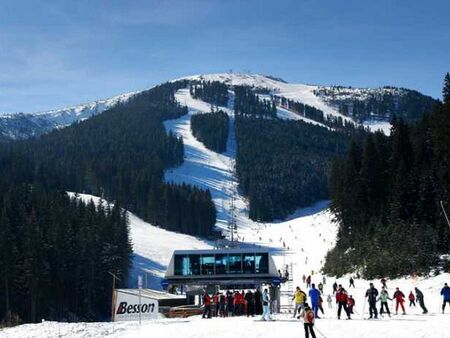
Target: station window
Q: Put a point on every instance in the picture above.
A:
(181, 265)
(221, 264)
(207, 264)
(248, 263)
(234, 263)
(194, 265)
(261, 263)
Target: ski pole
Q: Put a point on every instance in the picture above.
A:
(321, 333)
(364, 309)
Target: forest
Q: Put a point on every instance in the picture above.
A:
(283, 165)
(386, 194)
(211, 129)
(213, 92)
(247, 103)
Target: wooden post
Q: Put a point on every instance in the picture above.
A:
(113, 296)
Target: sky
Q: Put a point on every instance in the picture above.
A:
(60, 53)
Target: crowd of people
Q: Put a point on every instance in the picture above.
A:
(307, 305)
(345, 302)
(235, 303)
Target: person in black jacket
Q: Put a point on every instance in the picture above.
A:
(250, 299)
(258, 302)
(230, 305)
(372, 294)
(419, 297)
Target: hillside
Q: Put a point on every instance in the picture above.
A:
(370, 107)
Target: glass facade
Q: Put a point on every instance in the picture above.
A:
(221, 264)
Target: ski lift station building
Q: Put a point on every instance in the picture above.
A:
(222, 269)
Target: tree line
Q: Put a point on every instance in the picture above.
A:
(283, 165)
(55, 254)
(213, 92)
(386, 194)
(211, 129)
(247, 103)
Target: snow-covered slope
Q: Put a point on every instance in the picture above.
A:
(297, 92)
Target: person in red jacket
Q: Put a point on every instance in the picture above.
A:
(341, 300)
(236, 303)
(350, 303)
(399, 300)
(308, 321)
(216, 299)
(412, 299)
(243, 303)
(207, 304)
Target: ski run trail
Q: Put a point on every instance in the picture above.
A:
(301, 240)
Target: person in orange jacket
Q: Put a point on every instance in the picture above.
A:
(399, 300)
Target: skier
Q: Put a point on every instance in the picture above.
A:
(350, 303)
(266, 304)
(372, 294)
(320, 287)
(250, 299)
(207, 304)
(324, 280)
(308, 282)
(308, 322)
(216, 299)
(341, 300)
(330, 302)
(230, 303)
(383, 283)
(314, 295)
(412, 299)
(419, 297)
(299, 298)
(243, 303)
(352, 282)
(258, 302)
(304, 279)
(335, 287)
(320, 305)
(384, 297)
(222, 301)
(445, 293)
(399, 300)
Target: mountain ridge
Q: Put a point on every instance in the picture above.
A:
(336, 101)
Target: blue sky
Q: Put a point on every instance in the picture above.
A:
(59, 53)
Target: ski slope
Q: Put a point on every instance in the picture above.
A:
(297, 92)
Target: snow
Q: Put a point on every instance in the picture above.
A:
(297, 92)
(286, 114)
(378, 125)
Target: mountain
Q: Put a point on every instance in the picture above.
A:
(369, 107)
(21, 125)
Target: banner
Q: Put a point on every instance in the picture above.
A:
(128, 307)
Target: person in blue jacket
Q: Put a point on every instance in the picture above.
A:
(445, 292)
(314, 295)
